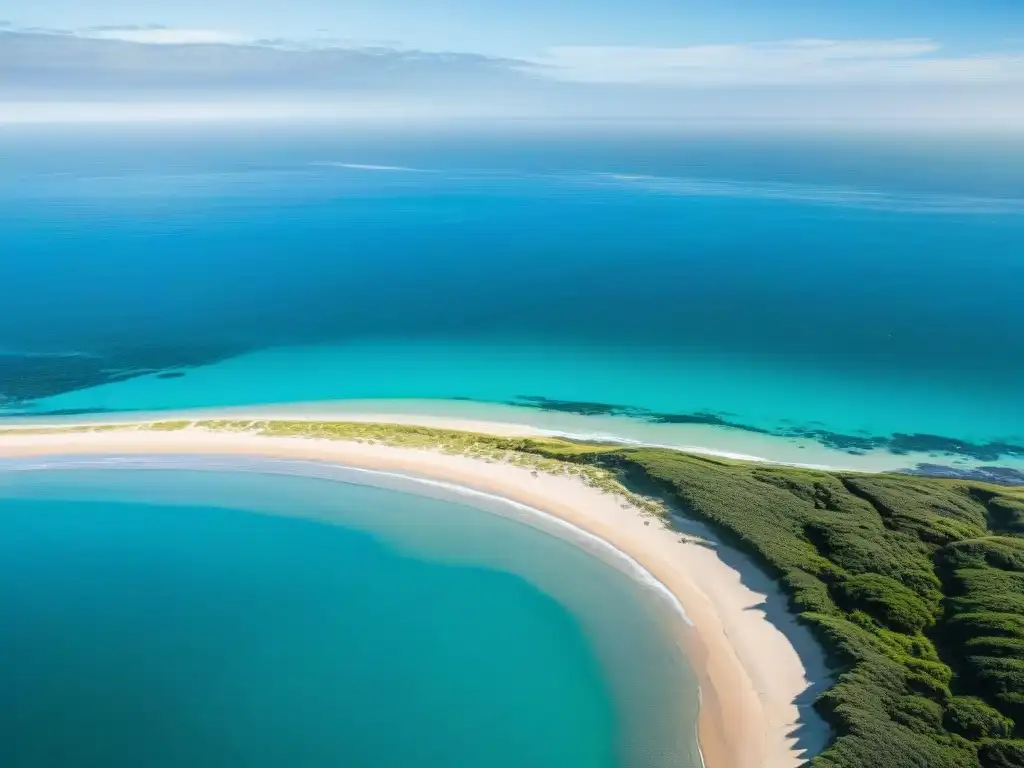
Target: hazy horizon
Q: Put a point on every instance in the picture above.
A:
(888, 66)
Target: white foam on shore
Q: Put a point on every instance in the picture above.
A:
(502, 420)
(495, 419)
(248, 464)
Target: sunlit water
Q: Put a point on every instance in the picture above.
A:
(858, 295)
(255, 615)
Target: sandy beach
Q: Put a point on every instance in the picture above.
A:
(755, 665)
(507, 420)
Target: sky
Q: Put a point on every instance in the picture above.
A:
(898, 62)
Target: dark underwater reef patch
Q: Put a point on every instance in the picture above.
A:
(584, 408)
(985, 474)
(26, 378)
(897, 443)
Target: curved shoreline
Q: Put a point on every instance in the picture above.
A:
(509, 420)
(750, 674)
(458, 493)
(723, 442)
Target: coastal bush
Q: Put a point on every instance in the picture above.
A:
(1005, 514)
(973, 718)
(996, 646)
(1001, 754)
(1000, 552)
(919, 714)
(886, 600)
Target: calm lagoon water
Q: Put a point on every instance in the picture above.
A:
(855, 293)
(275, 614)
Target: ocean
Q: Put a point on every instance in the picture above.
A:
(819, 298)
(261, 613)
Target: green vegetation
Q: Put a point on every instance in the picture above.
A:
(915, 586)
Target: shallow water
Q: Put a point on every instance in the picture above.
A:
(856, 294)
(251, 614)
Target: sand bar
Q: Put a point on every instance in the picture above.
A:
(508, 420)
(752, 668)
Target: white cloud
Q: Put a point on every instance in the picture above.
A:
(791, 62)
(155, 35)
(160, 73)
(144, 61)
(354, 111)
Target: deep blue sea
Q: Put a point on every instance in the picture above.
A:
(855, 294)
(259, 615)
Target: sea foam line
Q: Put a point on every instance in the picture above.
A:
(365, 166)
(847, 197)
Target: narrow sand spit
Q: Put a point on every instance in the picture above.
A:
(757, 668)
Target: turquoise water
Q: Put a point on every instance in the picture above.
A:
(578, 376)
(257, 615)
(857, 294)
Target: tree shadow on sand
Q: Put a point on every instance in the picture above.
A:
(812, 734)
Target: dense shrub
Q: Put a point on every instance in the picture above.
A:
(886, 600)
(1006, 515)
(973, 718)
(919, 714)
(1001, 754)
